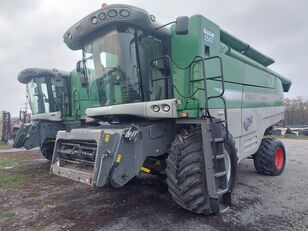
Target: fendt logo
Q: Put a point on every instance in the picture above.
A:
(247, 122)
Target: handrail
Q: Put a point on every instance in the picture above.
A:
(220, 96)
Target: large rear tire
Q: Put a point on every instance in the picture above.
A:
(185, 170)
(270, 159)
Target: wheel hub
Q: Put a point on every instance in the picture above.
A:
(279, 158)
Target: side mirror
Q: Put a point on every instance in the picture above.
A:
(79, 67)
(181, 27)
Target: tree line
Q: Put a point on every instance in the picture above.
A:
(296, 111)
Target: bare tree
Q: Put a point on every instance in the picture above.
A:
(296, 111)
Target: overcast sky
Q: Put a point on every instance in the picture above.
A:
(31, 34)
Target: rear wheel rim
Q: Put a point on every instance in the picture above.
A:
(279, 158)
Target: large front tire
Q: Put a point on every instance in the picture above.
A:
(185, 170)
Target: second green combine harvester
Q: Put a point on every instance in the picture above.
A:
(190, 102)
(58, 100)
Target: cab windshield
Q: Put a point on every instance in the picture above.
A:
(46, 95)
(119, 67)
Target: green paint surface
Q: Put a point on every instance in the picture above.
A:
(247, 83)
(82, 97)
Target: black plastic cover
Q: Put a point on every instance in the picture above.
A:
(26, 75)
(111, 14)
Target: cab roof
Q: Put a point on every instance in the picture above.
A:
(26, 75)
(108, 15)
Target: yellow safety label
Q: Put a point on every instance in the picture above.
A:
(119, 157)
(144, 169)
(107, 138)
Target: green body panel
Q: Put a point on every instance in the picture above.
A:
(82, 97)
(245, 79)
(241, 46)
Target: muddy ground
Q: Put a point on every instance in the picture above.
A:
(32, 199)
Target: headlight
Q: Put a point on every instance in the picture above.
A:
(166, 108)
(102, 16)
(94, 20)
(124, 13)
(156, 108)
(112, 13)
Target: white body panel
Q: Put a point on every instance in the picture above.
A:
(52, 116)
(248, 138)
(142, 109)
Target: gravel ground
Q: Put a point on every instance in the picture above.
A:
(31, 199)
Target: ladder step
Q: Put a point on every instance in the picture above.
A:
(218, 140)
(222, 191)
(221, 156)
(220, 174)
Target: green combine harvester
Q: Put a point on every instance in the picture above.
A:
(188, 102)
(58, 100)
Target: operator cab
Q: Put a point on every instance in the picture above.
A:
(122, 68)
(47, 91)
(125, 58)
